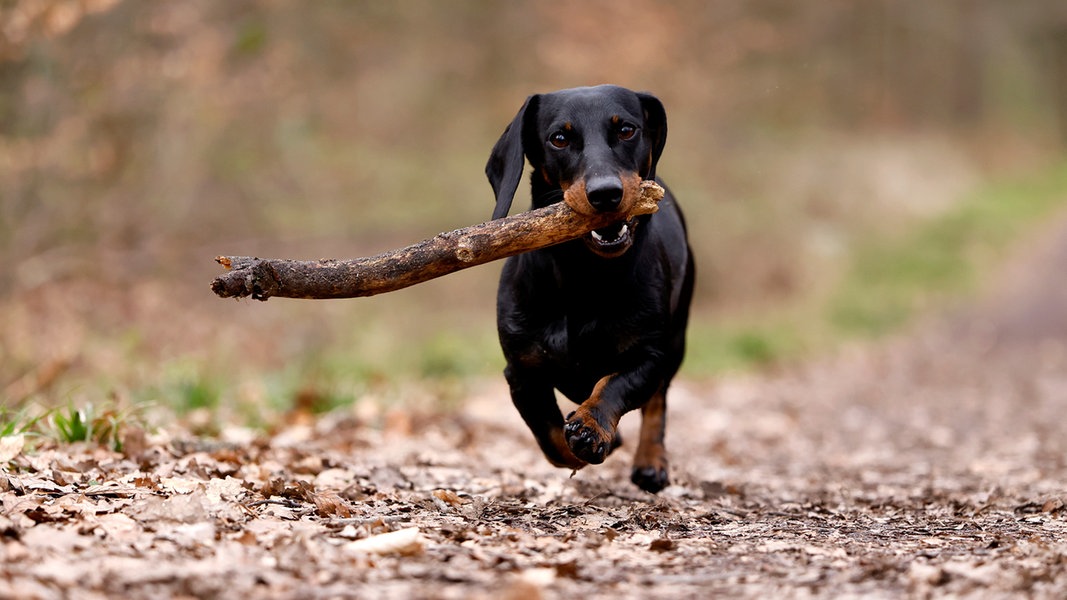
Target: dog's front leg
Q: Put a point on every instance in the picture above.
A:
(536, 402)
(591, 429)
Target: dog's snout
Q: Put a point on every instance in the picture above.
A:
(604, 192)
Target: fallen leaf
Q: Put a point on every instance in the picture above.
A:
(179, 485)
(191, 534)
(38, 484)
(539, 577)
(62, 539)
(273, 487)
(310, 465)
(118, 527)
(1053, 505)
(183, 508)
(329, 504)
(926, 575)
(404, 542)
(229, 489)
(11, 446)
(570, 569)
(449, 497)
(112, 488)
(662, 545)
(521, 590)
(334, 478)
(134, 442)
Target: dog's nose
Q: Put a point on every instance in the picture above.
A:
(604, 192)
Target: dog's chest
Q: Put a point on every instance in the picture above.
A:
(593, 326)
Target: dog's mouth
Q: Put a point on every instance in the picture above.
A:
(613, 240)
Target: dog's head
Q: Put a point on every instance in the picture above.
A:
(589, 147)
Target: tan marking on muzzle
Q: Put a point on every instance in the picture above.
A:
(575, 196)
(631, 191)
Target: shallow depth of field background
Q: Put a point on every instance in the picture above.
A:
(845, 166)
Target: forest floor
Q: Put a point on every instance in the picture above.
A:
(932, 464)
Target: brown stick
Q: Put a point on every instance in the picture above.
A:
(262, 278)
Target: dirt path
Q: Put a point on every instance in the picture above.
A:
(931, 465)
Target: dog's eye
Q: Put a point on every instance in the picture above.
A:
(627, 131)
(559, 140)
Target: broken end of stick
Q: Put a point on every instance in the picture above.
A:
(648, 202)
(245, 277)
(223, 288)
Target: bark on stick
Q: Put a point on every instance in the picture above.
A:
(263, 278)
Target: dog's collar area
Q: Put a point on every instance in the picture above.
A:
(611, 241)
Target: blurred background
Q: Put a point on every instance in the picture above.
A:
(845, 166)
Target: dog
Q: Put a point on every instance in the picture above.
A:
(602, 318)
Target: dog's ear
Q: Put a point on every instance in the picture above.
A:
(508, 158)
(655, 130)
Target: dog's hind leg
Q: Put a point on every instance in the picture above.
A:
(650, 471)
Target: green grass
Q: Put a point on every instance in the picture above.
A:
(717, 346)
(104, 424)
(892, 279)
(14, 422)
(888, 279)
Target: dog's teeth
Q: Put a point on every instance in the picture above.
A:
(624, 229)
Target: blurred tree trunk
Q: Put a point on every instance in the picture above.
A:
(968, 93)
(1058, 50)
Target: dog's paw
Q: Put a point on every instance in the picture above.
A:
(556, 450)
(587, 439)
(650, 478)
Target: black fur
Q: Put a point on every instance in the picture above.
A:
(570, 316)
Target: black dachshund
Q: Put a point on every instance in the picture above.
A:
(603, 318)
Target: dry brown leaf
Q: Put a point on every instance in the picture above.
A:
(521, 590)
(661, 545)
(330, 504)
(134, 441)
(309, 465)
(273, 487)
(246, 538)
(149, 482)
(450, 497)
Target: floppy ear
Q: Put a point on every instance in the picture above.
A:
(655, 130)
(507, 159)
